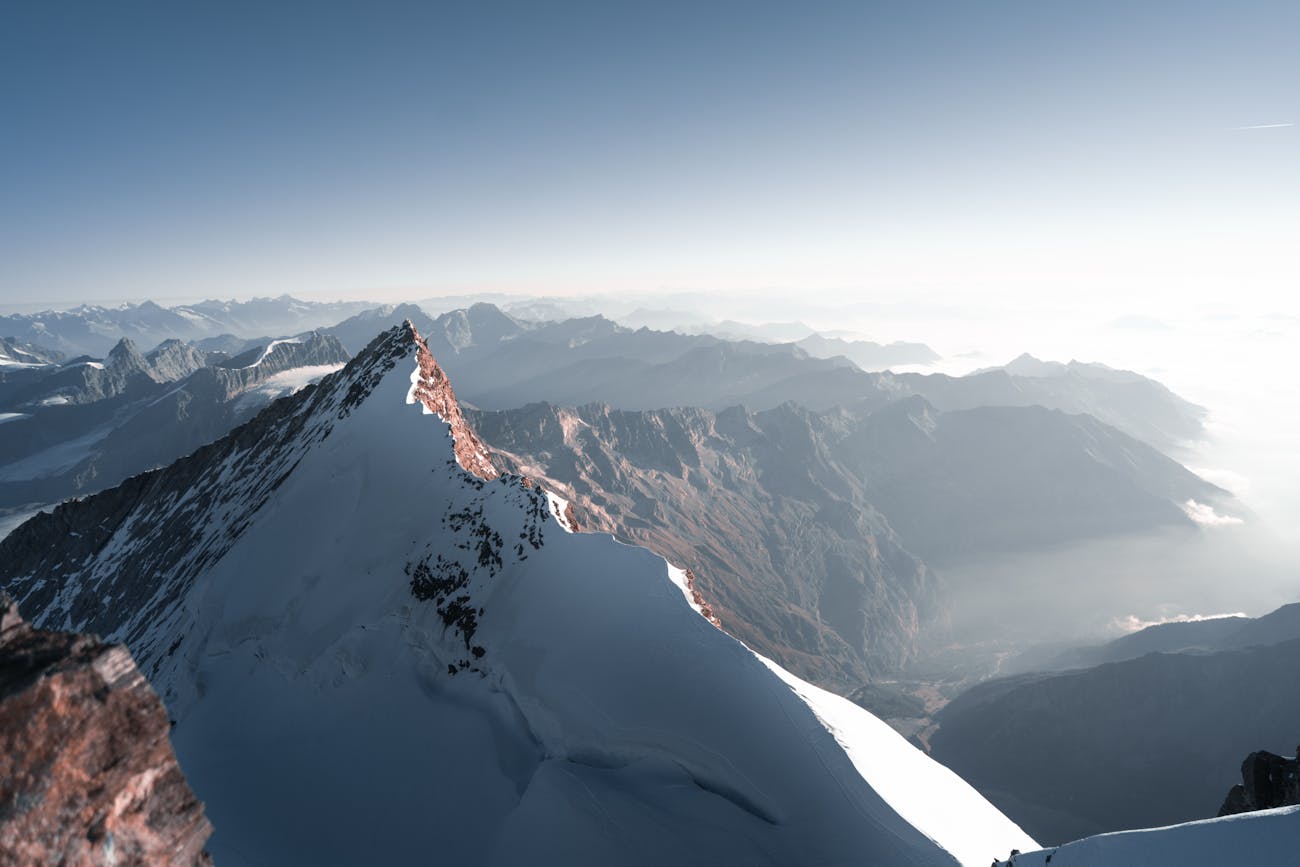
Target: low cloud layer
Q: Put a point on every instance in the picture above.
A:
(1133, 623)
(1205, 515)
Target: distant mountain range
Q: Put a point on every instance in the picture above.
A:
(1195, 636)
(75, 428)
(503, 362)
(93, 331)
(1153, 738)
(507, 362)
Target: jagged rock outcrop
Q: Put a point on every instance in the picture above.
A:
(87, 773)
(1267, 781)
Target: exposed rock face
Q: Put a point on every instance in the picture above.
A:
(434, 390)
(778, 534)
(1267, 781)
(87, 773)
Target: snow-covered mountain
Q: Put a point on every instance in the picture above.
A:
(15, 353)
(377, 650)
(93, 330)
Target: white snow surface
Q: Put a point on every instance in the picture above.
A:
(1266, 838)
(605, 722)
(13, 416)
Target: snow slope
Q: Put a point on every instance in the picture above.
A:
(1268, 837)
(374, 656)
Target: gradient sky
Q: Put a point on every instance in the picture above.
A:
(182, 150)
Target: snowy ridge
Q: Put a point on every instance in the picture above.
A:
(270, 347)
(354, 631)
(1266, 837)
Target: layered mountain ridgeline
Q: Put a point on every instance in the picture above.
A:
(87, 773)
(79, 428)
(1139, 406)
(357, 331)
(829, 506)
(867, 354)
(1197, 636)
(1145, 741)
(353, 631)
(91, 330)
(501, 362)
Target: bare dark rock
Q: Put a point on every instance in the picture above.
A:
(1267, 781)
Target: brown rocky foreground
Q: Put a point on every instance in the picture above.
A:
(87, 773)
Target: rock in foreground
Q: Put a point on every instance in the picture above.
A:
(87, 773)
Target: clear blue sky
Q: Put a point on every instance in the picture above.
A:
(234, 148)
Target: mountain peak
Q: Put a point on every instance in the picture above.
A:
(432, 388)
(126, 355)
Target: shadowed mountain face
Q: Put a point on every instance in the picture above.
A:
(1148, 741)
(1001, 479)
(803, 527)
(782, 538)
(85, 426)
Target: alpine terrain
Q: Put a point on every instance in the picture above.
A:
(377, 649)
